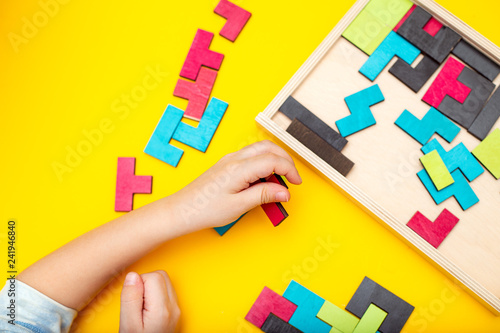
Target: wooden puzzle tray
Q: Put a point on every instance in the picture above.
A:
(384, 178)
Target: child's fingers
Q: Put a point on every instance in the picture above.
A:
(261, 194)
(172, 295)
(262, 166)
(263, 147)
(131, 304)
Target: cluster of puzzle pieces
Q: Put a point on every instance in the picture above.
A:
(371, 309)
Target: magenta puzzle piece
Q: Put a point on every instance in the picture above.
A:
(200, 55)
(127, 183)
(236, 17)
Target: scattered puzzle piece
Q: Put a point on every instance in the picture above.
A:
(371, 320)
(464, 114)
(446, 84)
(361, 116)
(433, 232)
(320, 147)
(460, 189)
(433, 122)
(393, 45)
(293, 109)
(339, 319)
(414, 78)
(398, 311)
(222, 230)
(459, 157)
(158, 145)
(274, 324)
(438, 47)
(200, 55)
(275, 210)
(488, 153)
(270, 302)
(308, 305)
(432, 27)
(436, 169)
(487, 118)
(196, 92)
(374, 23)
(127, 183)
(200, 137)
(477, 60)
(236, 17)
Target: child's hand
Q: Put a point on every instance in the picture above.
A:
(148, 304)
(223, 193)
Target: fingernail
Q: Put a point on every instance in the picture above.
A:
(281, 196)
(130, 279)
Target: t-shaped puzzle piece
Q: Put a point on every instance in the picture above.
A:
(127, 183)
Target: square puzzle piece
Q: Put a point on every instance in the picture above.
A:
(270, 302)
(127, 184)
(488, 153)
(433, 232)
(200, 55)
(436, 169)
(236, 17)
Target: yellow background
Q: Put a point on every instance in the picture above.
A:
(69, 75)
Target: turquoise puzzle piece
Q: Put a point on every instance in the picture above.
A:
(222, 230)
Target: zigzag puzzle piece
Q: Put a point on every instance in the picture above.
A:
(200, 55)
(127, 183)
(433, 232)
(236, 17)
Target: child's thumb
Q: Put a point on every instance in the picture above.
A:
(132, 304)
(264, 193)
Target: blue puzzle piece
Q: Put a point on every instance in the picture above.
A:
(308, 306)
(361, 116)
(393, 45)
(460, 189)
(200, 137)
(459, 157)
(433, 122)
(222, 230)
(159, 144)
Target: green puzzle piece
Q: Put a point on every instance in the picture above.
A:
(371, 320)
(340, 320)
(488, 153)
(437, 170)
(375, 22)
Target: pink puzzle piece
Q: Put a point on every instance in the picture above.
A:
(197, 92)
(127, 183)
(270, 302)
(236, 17)
(432, 27)
(446, 84)
(200, 55)
(433, 232)
(275, 211)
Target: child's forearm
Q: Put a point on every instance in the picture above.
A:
(73, 274)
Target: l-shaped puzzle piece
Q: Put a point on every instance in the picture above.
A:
(236, 17)
(433, 232)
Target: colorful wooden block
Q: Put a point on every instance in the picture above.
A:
(460, 189)
(270, 302)
(436, 169)
(371, 320)
(274, 324)
(339, 319)
(197, 92)
(488, 153)
(446, 84)
(465, 113)
(393, 45)
(293, 109)
(487, 118)
(200, 137)
(308, 305)
(275, 210)
(320, 147)
(415, 78)
(361, 116)
(398, 310)
(159, 144)
(374, 23)
(432, 27)
(236, 18)
(127, 183)
(433, 122)
(477, 60)
(459, 157)
(200, 55)
(433, 232)
(438, 47)
(222, 230)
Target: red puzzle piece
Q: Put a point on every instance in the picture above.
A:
(200, 55)
(197, 92)
(127, 183)
(446, 84)
(236, 17)
(275, 210)
(433, 232)
(432, 27)
(270, 302)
